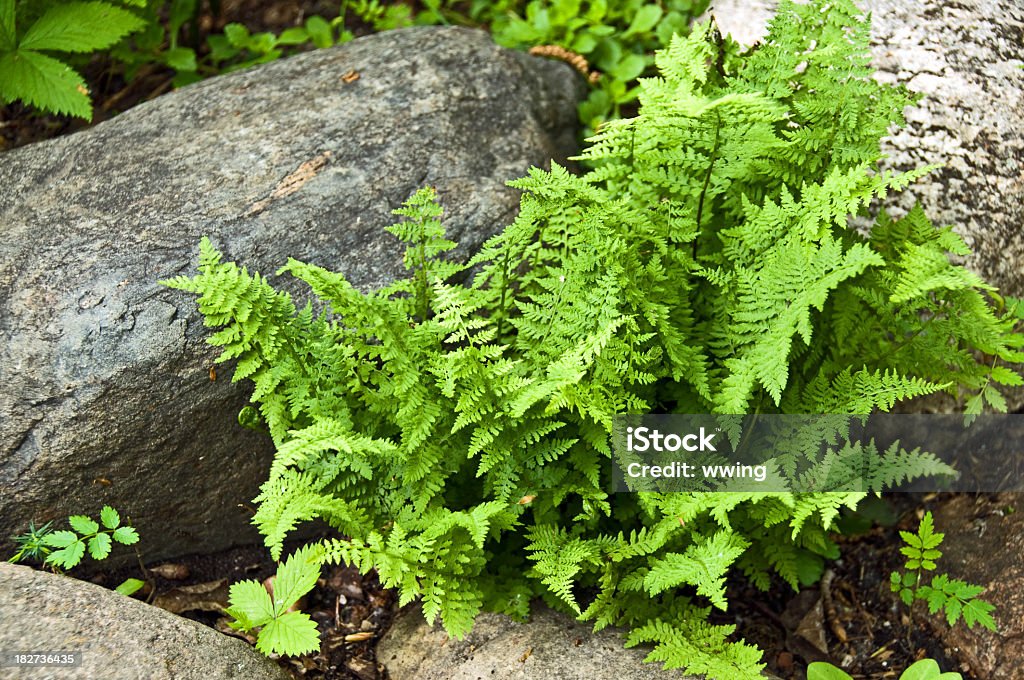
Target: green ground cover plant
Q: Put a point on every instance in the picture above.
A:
(455, 426)
(956, 598)
(65, 549)
(614, 37)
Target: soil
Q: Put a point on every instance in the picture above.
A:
(851, 618)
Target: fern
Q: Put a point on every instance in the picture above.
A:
(456, 426)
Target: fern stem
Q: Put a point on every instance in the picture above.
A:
(423, 275)
(504, 290)
(707, 178)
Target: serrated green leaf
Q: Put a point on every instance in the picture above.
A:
(67, 557)
(995, 398)
(250, 604)
(99, 546)
(110, 517)
(8, 36)
(80, 27)
(83, 524)
(130, 586)
(965, 591)
(43, 82)
(972, 407)
(292, 634)
(60, 539)
(927, 527)
(953, 607)
(1006, 376)
(979, 611)
(936, 599)
(126, 535)
(295, 578)
(910, 539)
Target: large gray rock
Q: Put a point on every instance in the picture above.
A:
(107, 394)
(550, 647)
(964, 58)
(118, 638)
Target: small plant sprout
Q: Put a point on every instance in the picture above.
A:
(65, 549)
(282, 630)
(957, 598)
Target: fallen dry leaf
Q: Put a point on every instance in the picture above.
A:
(171, 571)
(206, 597)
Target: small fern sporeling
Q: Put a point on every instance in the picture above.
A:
(456, 426)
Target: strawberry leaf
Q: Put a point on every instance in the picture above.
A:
(292, 634)
(80, 27)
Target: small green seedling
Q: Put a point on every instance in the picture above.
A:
(925, 669)
(957, 598)
(282, 631)
(66, 549)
